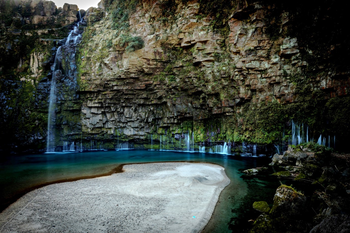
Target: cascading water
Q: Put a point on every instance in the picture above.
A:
(72, 147)
(189, 141)
(300, 134)
(50, 141)
(151, 143)
(223, 149)
(160, 142)
(69, 49)
(188, 147)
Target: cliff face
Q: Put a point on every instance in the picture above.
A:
(36, 14)
(29, 32)
(222, 71)
(172, 67)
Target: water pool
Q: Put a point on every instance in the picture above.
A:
(20, 174)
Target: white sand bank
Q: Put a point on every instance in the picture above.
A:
(157, 197)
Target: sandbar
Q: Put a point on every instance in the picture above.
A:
(152, 197)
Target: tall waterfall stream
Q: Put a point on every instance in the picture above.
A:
(65, 51)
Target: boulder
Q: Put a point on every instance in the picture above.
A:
(335, 223)
(261, 206)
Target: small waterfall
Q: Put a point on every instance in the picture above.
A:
(189, 141)
(226, 149)
(193, 141)
(188, 147)
(320, 141)
(300, 134)
(152, 142)
(123, 146)
(244, 148)
(294, 140)
(65, 146)
(254, 149)
(277, 149)
(72, 147)
(223, 149)
(160, 142)
(201, 149)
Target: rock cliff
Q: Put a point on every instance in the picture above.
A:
(173, 67)
(223, 72)
(29, 32)
(37, 14)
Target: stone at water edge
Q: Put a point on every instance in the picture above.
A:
(261, 206)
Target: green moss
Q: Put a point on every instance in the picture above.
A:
(261, 206)
(322, 179)
(263, 224)
(282, 174)
(300, 176)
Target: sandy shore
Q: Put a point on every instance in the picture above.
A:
(157, 197)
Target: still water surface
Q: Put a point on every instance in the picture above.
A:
(19, 174)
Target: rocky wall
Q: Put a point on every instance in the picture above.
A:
(170, 66)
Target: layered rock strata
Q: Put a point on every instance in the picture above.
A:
(167, 69)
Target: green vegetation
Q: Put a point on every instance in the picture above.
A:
(282, 174)
(21, 121)
(120, 11)
(261, 206)
(131, 43)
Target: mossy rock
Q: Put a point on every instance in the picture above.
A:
(287, 199)
(282, 174)
(263, 224)
(300, 176)
(261, 206)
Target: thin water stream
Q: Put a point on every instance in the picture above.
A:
(18, 174)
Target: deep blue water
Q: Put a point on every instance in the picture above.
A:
(19, 174)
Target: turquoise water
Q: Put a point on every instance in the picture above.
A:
(19, 174)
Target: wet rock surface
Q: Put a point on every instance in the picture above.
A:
(318, 200)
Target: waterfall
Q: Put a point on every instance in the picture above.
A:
(300, 134)
(124, 146)
(294, 141)
(201, 149)
(69, 55)
(222, 149)
(277, 149)
(50, 141)
(319, 141)
(193, 141)
(244, 148)
(254, 149)
(65, 146)
(72, 147)
(160, 142)
(188, 146)
(151, 142)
